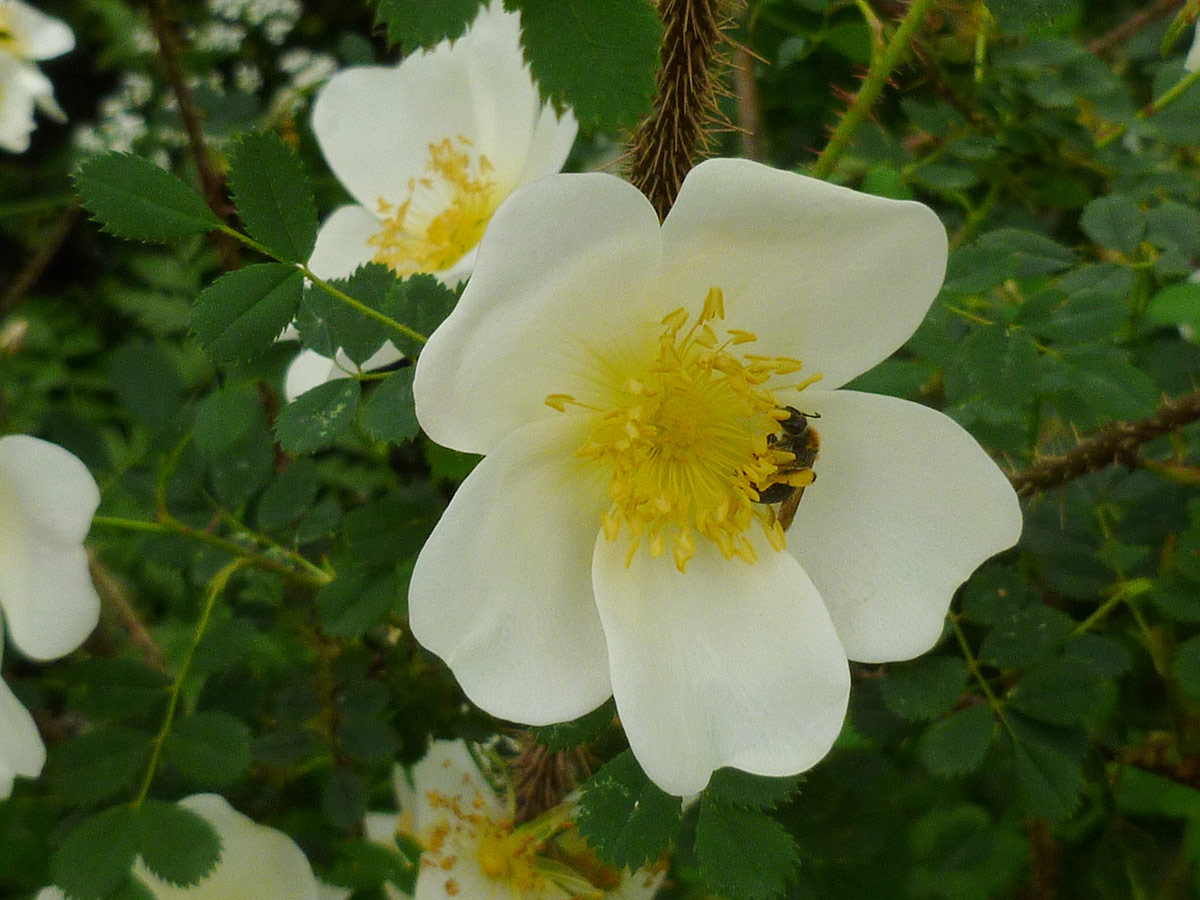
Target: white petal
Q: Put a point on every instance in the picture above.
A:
(342, 242)
(256, 861)
(730, 664)
(21, 749)
(906, 505)
(553, 138)
(16, 105)
(47, 499)
(837, 278)
(50, 893)
(1192, 62)
(448, 771)
(38, 35)
(566, 270)
(502, 589)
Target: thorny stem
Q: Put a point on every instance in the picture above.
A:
(882, 66)
(112, 596)
(1114, 443)
(342, 296)
(171, 54)
(665, 146)
(215, 588)
(996, 704)
(281, 560)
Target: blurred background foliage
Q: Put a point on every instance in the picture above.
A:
(1049, 747)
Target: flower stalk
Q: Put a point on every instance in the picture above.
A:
(666, 145)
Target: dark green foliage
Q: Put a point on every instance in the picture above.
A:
(587, 728)
(133, 198)
(743, 852)
(211, 749)
(388, 414)
(241, 314)
(272, 195)
(416, 23)
(597, 56)
(625, 818)
(318, 417)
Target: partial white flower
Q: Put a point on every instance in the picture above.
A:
(430, 148)
(627, 383)
(473, 849)
(1192, 62)
(21, 749)
(27, 35)
(47, 499)
(256, 862)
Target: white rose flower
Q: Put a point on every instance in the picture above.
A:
(47, 499)
(630, 384)
(257, 862)
(27, 35)
(475, 851)
(21, 749)
(429, 149)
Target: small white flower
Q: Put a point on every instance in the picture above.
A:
(628, 384)
(21, 749)
(430, 148)
(475, 851)
(47, 499)
(1192, 62)
(257, 862)
(27, 35)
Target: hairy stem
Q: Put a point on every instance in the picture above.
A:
(1117, 442)
(667, 144)
(882, 66)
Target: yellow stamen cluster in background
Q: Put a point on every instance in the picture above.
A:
(445, 214)
(686, 442)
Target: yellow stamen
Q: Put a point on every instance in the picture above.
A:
(444, 215)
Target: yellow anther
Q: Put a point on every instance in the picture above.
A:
(742, 337)
(714, 305)
(675, 320)
(810, 380)
(786, 366)
(559, 401)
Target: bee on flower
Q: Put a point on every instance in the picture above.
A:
(630, 385)
(428, 149)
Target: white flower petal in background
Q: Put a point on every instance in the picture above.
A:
(26, 35)
(257, 862)
(1192, 62)
(668, 357)
(47, 500)
(21, 749)
(475, 851)
(310, 368)
(430, 148)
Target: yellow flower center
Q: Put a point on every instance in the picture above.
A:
(9, 43)
(445, 214)
(688, 440)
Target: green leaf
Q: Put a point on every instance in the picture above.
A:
(1048, 778)
(1028, 252)
(97, 857)
(1116, 222)
(1176, 304)
(148, 383)
(317, 417)
(388, 414)
(176, 844)
(1143, 793)
(133, 198)
(924, 688)
(226, 417)
(419, 23)
(241, 314)
(356, 600)
(624, 816)
(116, 688)
(290, 493)
(344, 800)
(599, 57)
(273, 196)
(755, 791)
(99, 764)
(210, 748)
(422, 303)
(1061, 691)
(365, 864)
(1026, 636)
(1022, 16)
(326, 323)
(584, 730)
(743, 853)
(956, 744)
(1097, 384)
(1187, 665)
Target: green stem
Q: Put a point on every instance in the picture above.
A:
(357, 305)
(881, 69)
(215, 588)
(996, 704)
(291, 564)
(1157, 106)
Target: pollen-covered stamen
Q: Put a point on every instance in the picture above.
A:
(688, 441)
(445, 214)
